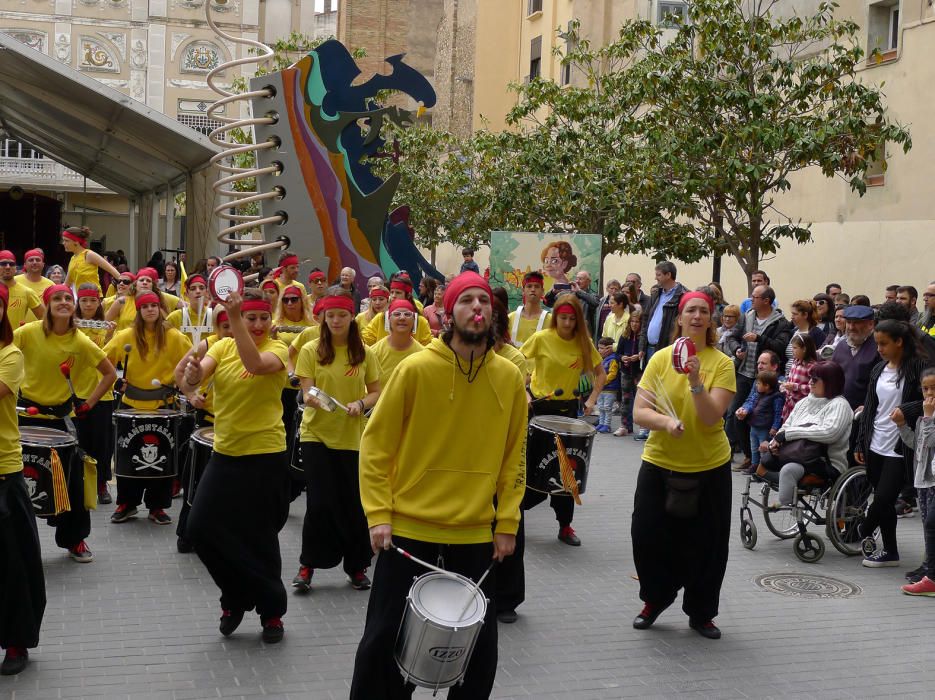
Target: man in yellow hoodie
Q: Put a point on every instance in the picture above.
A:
(433, 495)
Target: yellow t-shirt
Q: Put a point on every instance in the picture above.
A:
(288, 336)
(308, 335)
(343, 382)
(141, 371)
(510, 353)
(389, 357)
(701, 447)
(283, 285)
(85, 379)
(558, 363)
(11, 376)
(37, 288)
(376, 329)
(247, 407)
(44, 382)
(22, 300)
(175, 319)
(527, 326)
(80, 271)
(363, 319)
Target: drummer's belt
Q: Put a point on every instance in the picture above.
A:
(137, 394)
(61, 410)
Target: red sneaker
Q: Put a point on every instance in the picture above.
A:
(568, 536)
(14, 662)
(273, 630)
(81, 553)
(925, 587)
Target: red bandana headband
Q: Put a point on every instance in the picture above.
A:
(464, 281)
(270, 284)
(195, 278)
(148, 272)
(565, 309)
(130, 275)
(89, 293)
(317, 275)
(402, 304)
(401, 285)
(34, 253)
(379, 292)
(220, 317)
(7, 255)
(696, 295)
(76, 238)
(255, 305)
(335, 302)
(290, 260)
(147, 298)
(295, 291)
(534, 276)
(49, 292)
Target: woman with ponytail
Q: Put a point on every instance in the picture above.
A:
(84, 263)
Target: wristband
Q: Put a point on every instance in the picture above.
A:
(697, 389)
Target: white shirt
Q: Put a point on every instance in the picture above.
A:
(885, 433)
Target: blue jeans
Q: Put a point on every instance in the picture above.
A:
(757, 435)
(605, 407)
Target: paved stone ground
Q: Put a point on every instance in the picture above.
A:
(141, 621)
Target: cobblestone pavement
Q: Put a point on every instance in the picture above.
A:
(141, 620)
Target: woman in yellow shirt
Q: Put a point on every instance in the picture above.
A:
(48, 345)
(271, 293)
(22, 596)
(682, 505)
(84, 264)
(154, 351)
(123, 309)
(243, 498)
(339, 364)
(95, 432)
(399, 344)
(379, 326)
(196, 289)
(379, 298)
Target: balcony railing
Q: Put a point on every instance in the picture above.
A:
(43, 172)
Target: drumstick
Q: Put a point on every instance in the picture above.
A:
(555, 393)
(424, 563)
(66, 372)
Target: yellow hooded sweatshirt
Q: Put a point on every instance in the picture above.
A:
(435, 480)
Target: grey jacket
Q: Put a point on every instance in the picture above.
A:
(922, 441)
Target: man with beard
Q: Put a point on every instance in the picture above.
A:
(22, 298)
(434, 500)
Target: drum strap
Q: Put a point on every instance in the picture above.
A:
(59, 411)
(138, 394)
(516, 319)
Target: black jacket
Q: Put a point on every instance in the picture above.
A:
(590, 304)
(911, 391)
(775, 336)
(670, 313)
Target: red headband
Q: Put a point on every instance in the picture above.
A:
(464, 281)
(565, 309)
(220, 317)
(289, 260)
(195, 278)
(271, 284)
(148, 272)
(85, 293)
(7, 255)
(127, 274)
(534, 276)
(687, 297)
(56, 289)
(402, 304)
(277, 273)
(75, 237)
(316, 275)
(379, 292)
(147, 298)
(402, 285)
(255, 305)
(335, 302)
(292, 288)
(34, 253)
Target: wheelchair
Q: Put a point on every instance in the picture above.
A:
(838, 504)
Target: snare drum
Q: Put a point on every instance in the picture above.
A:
(38, 444)
(444, 614)
(543, 472)
(200, 447)
(147, 443)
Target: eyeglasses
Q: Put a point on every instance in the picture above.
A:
(290, 300)
(123, 281)
(402, 314)
(7, 263)
(551, 261)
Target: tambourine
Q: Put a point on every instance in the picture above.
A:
(223, 281)
(682, 349)
(326, 402)
(91, 323)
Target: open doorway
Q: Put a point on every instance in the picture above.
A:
(30, 220)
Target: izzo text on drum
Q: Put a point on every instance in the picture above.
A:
(124, 440)
(447, 654)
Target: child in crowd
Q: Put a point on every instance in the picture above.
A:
(804, 358)
(922, 441)
(605, 402)
(763, 412)
(467, 254)
(628, 352)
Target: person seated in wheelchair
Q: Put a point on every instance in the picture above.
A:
(814, 439)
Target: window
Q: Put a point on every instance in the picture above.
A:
(883, 31)
(669, 13)
(569, 47)
(893, 33)
(535, 58)
(199, 122)
(533, 6)
(876, 168)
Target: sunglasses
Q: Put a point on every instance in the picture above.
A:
(123, 281)
(7, 263)
(290, 300)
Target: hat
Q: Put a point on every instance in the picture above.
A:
(34, 253)
(7, 255)
(464, 281)
(858, 313)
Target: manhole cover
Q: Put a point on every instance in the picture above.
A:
(807, 586)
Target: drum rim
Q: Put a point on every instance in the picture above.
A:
(536, 422)
(147, 413)
(198, 436)
(66, 438)
(479, 599)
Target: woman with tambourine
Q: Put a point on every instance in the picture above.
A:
(149, 351)
(242, 500)
(22, 587)
(55, 352)
(339, 364)
(681, 515)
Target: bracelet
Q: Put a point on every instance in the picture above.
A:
(363, 406)
(697, 389)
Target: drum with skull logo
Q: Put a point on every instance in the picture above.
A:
(147, 443)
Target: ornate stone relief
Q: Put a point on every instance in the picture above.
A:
(97, 57)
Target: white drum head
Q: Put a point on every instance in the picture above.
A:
(223, 281)
(682, 349)
(37, 436)
(442, 598)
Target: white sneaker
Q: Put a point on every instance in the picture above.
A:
(621, 432)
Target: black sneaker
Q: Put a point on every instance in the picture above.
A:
(103, 496)
(568, 536)
(706, 629)
(273, 630)
(14, 662)
(303, 580)
(903, 509)
(916, 575)
(230, 621)
(359, 581)
(159, 516)
(123, 513)
(507, 617)
(647, 617)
